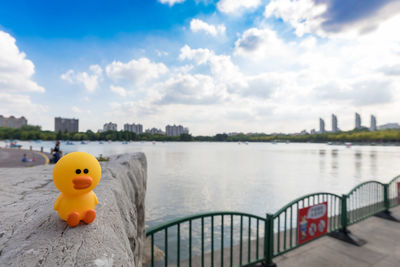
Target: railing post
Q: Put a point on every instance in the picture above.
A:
(386, 197)
(386, 214)
(269, 241)
(344, 234)
(343, 217)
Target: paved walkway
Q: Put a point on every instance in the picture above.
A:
(382, 247)
(12, 157)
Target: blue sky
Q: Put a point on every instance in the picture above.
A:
(212, 66)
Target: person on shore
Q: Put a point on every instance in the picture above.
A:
(25, 159)
(56, 152)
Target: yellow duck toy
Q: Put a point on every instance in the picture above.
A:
(75, 175)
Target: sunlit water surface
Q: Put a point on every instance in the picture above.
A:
(187, 178)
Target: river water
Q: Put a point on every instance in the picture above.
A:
(187, 178)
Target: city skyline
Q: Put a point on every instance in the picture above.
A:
(171, 131)
(72, 125)
(213, 66)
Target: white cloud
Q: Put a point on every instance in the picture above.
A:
(332, 18)
(118, 90)
(89, 81)
(15, 70)
(190, 90)
(161, 53)
(234, 6)
(304, 15)
(138, 71)
(221, 66)
(171, 2)
(256, 44)
(197, 25)
(200, 55)
(22, 105)
(76, 109)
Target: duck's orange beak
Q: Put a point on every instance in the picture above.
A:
(82, 182)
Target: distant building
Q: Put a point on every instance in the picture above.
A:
(154, 131)
(12, 122)
(373, 123)
(66, 125)
(389, 126)
(334, 124)
(173, 130)
(134, 128)
(358, 121)
(321, 125)
(234, 133)
(110, 127)
(312, 131)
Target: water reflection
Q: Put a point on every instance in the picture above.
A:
(334, 161)
(357, 163)
(322, 160)
(373, 156)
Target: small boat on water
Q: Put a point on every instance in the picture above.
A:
(69, 143)
(348, 144)
(15, 145)
(124, 142)
(84, 142)
(101, 142)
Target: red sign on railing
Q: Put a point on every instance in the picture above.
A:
(398, 192)
(312, 222)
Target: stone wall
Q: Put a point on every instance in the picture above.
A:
(32, 234)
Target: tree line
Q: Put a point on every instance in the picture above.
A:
(35, 133)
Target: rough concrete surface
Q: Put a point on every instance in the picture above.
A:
(32, 234)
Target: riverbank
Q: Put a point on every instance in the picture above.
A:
(354, 136)
(12, 158)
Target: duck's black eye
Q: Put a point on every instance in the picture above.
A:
(85, 170)
(78, 171)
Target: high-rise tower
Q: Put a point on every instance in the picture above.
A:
(334, 124)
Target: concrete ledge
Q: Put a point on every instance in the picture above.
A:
(32, 234)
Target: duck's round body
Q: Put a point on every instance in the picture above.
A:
(65, 204)
(76, 175)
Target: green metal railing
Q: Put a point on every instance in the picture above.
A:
(238, 238)
(242, 239)
(392, 192)
(365, 200)
(285, 220)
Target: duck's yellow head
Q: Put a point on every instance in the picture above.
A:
(76, 173)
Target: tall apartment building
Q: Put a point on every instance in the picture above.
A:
(110, 127)
(12, 122)
(321, 125)
(64, 124)
(358, 121)
(334, 124)
(174, 130)
(373, 123)
(135, 128)
(154, 131)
